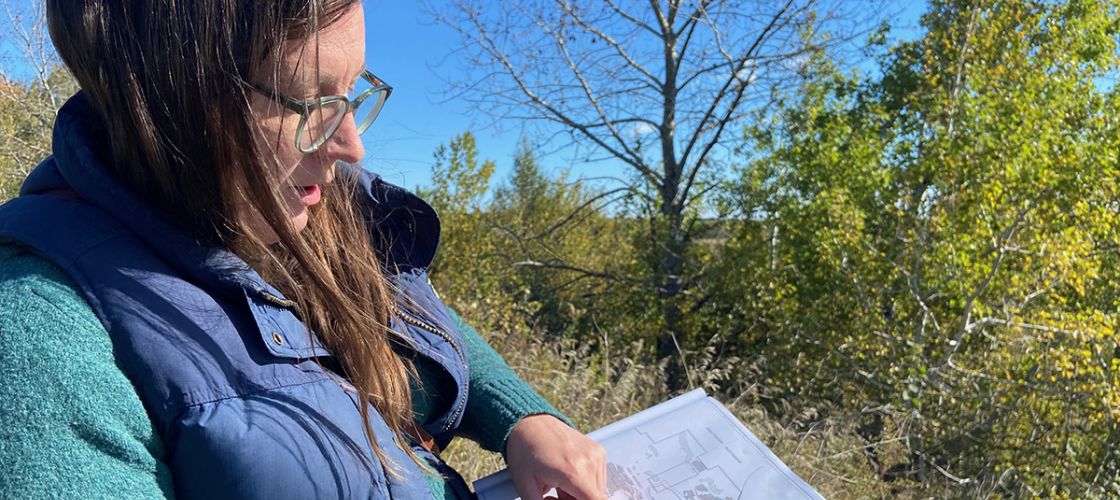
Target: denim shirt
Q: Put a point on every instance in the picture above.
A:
(226, 371)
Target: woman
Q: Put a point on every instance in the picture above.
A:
(203, 299)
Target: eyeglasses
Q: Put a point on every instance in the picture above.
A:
(319, 118)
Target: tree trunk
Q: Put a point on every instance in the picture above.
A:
(668, 275)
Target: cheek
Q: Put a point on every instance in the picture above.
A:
(287, 155)
(255, 223)
(277, 139)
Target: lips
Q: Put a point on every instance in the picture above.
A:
(309, 195)
(312, 192)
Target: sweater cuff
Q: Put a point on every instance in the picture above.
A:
(502, 403)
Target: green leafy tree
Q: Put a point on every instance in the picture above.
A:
(460, 184)
(523, 252)
(563, 247)
(941, 243)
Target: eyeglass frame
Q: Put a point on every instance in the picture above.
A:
(304, 107)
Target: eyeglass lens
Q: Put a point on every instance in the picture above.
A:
(323, 121)
(321, 124)
(370, 103)
(369, 109)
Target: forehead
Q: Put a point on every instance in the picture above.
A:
(335, 55)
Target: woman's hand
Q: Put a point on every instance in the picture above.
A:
(544, 453)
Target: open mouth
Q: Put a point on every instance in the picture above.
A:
(309, 195)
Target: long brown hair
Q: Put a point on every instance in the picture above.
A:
(169, 78)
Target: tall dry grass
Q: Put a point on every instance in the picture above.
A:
(597, 388)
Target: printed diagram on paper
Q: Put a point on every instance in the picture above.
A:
(683, 464)
(689, 447)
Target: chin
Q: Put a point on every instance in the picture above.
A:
(299, 221)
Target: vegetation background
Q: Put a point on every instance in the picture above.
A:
(895, 265)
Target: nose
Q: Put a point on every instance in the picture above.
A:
(346, 144)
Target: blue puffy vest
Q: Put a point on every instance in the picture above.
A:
(226, 371)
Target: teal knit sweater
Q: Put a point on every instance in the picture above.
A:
(73, 426)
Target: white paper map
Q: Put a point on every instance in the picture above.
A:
(689, 447)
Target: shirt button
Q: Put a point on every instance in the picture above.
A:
(277, 338)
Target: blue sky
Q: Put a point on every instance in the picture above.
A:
(407, 49)
(411, 52)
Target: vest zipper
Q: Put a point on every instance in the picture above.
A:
(459, 407)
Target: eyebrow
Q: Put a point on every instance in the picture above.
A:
(303, 82)
(332, 81)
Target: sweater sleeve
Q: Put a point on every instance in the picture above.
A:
(498, 398)
(71, 425)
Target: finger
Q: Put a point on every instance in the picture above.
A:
(527, 489)
(601, 468)
(595, 470)
(581, 488)
(590, 482)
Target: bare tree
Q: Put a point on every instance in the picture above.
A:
(661, 87)
(33, 85)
